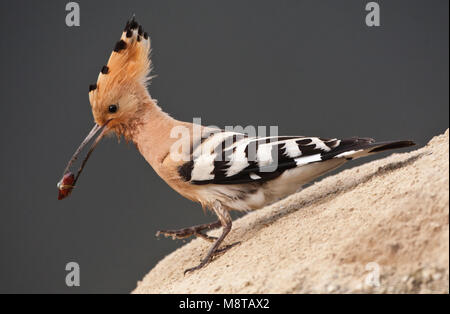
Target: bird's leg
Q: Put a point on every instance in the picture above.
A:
(226, 222)
(195, 230)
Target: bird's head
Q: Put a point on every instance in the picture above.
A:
(120, 93)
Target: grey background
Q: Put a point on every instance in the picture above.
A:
(310, 67)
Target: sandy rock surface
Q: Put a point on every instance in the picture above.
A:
(382, 227)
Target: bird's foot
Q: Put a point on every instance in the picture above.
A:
(226, 248)
(191, 231)
(210, 256)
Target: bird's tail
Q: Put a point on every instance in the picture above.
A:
(353, 148)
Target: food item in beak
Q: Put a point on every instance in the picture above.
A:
(68, 181)
(66, 185)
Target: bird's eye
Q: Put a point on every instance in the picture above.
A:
(112, 108)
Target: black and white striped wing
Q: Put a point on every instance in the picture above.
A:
(233, 158)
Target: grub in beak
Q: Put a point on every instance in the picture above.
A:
(68, 181)
(66, 185)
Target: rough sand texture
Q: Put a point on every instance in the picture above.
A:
(393, 211)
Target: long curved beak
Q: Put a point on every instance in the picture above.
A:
(68, 181)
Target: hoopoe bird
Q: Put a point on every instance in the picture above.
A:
(221, 170)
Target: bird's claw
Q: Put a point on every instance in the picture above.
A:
(173, 234)
(187, 232)
(208, 258)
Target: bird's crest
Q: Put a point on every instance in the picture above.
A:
(128, 64)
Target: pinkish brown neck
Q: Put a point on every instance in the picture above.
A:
(152, 137)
